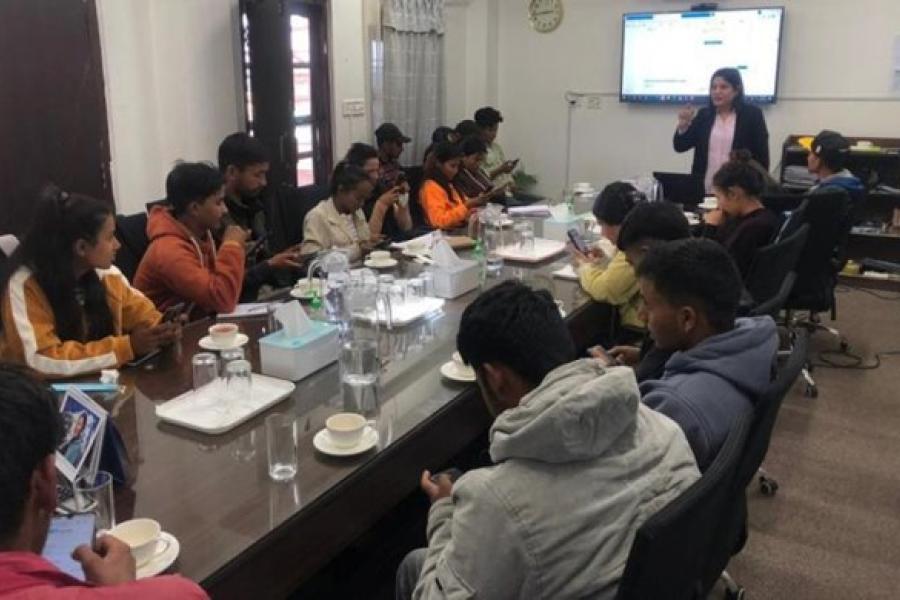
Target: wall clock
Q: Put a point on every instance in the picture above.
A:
(545, 15)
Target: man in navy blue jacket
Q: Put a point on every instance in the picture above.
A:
(721, 364)
(827, 156)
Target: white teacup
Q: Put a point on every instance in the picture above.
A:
(460, 366)
(223, 334)
(345, 429)
(142, 536)
(380, 256)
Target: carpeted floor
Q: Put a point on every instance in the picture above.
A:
(833, 528)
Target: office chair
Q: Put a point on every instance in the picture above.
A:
(829, 215)
(287, 208)
(773, 273)
(666, 557)
(131, 231)
(792, 222)
(731, 533)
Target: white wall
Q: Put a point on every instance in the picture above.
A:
(348, 22)
(172, 91)
(835, 72)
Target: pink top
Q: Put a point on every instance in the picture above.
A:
(27, 576)
(720, 140)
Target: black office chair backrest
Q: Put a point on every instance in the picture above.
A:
(415, 176)
(829, 218)
(288, 207)
(732, 528)
(131, 231)
(772, 277)
(794, 219)
(667, 555)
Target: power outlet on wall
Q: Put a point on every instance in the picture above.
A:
(353, 107)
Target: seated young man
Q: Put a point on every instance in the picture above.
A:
(647, 225)
(495, 166)
(386, 209)
(182, 263)
(827, 156)
(30, 430)
(244, 164)
(720, 364)
(580, 464)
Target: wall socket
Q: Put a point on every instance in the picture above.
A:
(354, 107)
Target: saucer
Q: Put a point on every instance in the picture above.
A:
(451, 371)
(322, 442)
(207, 344)
(161, 561)
(304, 291)
(381, 264)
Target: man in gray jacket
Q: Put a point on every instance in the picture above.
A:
(720, 365)
(580, 464)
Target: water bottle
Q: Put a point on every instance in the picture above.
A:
(478, 253)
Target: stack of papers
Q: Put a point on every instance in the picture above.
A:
(532, 210)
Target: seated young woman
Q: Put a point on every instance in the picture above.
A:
(741, 223)
(66, 310)
(443, 204)
(612, 279)
(339, 221)
(471, 180)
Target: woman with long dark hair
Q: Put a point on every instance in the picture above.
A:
(727, 123)
(444, 206)
(66, 310)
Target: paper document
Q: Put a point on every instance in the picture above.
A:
(251, 309)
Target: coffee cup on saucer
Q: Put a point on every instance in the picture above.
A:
(345, 429)
(379, 256)
(142, 536)
(460, 366)
(223, 334)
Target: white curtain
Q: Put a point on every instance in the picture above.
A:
(411, 71)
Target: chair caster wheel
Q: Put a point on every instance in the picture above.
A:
(811, 391)
(767, 486)
(738, 594)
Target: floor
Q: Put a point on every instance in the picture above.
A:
(832, 530)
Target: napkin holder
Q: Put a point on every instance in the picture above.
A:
(454, 281)
(294, 358)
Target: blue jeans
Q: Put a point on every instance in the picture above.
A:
(408, 574)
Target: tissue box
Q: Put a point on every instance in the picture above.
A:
(294, 358)
(555, 229)
(455, 281)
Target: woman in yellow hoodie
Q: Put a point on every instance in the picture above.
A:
(66, 310)
(611, 279)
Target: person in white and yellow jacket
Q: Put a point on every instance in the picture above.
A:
(66, 310)
(609, 277)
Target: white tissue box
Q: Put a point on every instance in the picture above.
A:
(294, 358)
(556, 229)
(452, 282)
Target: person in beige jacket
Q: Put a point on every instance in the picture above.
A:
(339, 221)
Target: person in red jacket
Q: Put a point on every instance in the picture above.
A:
(30, 430)
(182, 263)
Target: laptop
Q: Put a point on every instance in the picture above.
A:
(681, 188)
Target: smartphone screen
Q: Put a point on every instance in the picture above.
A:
(173, 312)
(577, 240)
(67, 533)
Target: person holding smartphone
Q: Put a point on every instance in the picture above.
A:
(387, 207)
(496, 167)
(30, 431)
(471, 180)
(611, 279)
(66, 310)
(727, 123)
(444, 206)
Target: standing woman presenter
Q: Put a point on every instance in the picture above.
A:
(727, 123)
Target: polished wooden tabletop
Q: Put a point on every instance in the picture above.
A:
(236, 527)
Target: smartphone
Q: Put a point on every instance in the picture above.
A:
(401, 179)
(256, 245)
(173, 312)
(66, 533)
(142, 359)
(515, 162)
(577, 240)
(598, 349)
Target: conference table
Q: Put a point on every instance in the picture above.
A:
(236, 527)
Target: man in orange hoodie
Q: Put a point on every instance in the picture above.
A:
(182, 263)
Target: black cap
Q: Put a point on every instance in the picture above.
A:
(830, 144)
(388, 132)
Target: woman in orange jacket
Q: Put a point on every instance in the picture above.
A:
(66, 310)
(444, 206)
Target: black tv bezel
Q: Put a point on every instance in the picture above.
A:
(702, 99)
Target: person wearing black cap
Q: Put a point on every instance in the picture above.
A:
(390, 142)
(495, 164)
(827, 156)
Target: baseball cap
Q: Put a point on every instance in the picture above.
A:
(388, 132)
(829, 144)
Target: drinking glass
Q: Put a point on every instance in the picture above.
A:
(415, 289)
(245, 447)
(359, 377)
(238, 383)
(281, 444)
(206, 368)
(228, 356)
(427, 283)
(493, 241)
(96, 496)
(525, 235)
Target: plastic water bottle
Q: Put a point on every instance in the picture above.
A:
(478, 253)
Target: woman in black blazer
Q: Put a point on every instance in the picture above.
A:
(727, 116)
